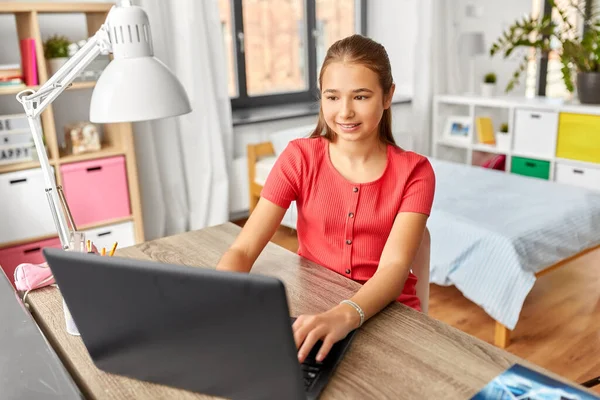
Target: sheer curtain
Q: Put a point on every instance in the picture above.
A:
(437, 67)
(184, 163)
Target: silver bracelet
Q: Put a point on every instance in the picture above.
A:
(357, 308)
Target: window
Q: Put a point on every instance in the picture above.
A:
(275, 47)
(544, 77)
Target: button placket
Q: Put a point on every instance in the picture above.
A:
(349, 233)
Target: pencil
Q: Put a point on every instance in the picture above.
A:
(103, 251)
(112, 251)
(89, 245)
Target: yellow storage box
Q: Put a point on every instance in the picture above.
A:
(579, 137)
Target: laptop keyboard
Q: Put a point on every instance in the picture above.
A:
(310, 367)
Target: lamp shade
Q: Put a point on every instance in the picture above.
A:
(137, 89)
(135, 86)
(473, 43)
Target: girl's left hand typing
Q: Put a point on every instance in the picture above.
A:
(330, 327)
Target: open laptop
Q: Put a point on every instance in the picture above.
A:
(214, 332)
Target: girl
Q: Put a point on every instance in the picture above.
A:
(362, 201)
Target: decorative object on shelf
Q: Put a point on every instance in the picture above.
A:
(472, 44)
(503, 138)
(56, 51)
(146, 89)
(488, 87)
(579, 48)
(82, 137)
(457, 129)
(485, 130)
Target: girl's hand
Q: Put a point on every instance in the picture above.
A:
(330, 327)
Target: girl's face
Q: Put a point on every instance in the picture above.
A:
(353, 101)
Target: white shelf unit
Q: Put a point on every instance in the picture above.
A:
(541, 131)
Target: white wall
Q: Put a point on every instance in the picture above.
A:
(393, 23)
(495, 17)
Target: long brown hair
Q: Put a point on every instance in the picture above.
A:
(360, 50)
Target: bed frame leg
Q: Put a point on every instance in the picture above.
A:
(502, 337)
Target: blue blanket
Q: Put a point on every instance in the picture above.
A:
(492, 231)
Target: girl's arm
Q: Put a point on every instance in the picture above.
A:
(253, 238)
(384, 287)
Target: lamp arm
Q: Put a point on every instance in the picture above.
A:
(34, 103)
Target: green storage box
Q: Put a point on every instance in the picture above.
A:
(530, 167)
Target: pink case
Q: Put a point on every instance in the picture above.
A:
(25, 253)
(96, 190)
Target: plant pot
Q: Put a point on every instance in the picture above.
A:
(54, 64)
(502, 141)
(588, 87)
(488, 89)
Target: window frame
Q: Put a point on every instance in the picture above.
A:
(542, 66)
(243, 101)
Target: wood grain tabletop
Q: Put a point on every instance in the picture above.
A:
(399, 353)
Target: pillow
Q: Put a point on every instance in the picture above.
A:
(280, 139)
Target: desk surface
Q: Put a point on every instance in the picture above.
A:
(29, 368)
(398, 353)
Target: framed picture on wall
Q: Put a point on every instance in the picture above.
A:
(457, 129)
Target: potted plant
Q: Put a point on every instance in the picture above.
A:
(488, 87)
(503, 138)
(56, 52)
(578, 49)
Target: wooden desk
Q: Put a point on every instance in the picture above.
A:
(400, 353)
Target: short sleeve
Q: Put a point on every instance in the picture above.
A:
(284, 181)
(419, 190)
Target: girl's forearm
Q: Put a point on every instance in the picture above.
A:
(235, 260)
(384, 287)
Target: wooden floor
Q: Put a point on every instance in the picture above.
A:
(559, 327)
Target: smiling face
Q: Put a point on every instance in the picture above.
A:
(353, 101)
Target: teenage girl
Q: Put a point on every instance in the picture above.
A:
(362, 201)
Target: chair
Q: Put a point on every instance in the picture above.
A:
(421, 271)
(255, 152)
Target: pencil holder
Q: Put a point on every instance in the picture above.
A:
(77, 243)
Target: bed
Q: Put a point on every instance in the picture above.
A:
(492, 233)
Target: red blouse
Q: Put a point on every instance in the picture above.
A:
(341, 225)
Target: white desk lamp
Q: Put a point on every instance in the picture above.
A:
(135, 86)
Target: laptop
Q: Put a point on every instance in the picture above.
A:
(214, 332)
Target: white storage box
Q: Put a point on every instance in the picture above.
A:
(24, 209)
(535, 133)
(106, 236)
(586, 177)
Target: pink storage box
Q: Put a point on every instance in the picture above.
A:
(96, 190)
(11, 257)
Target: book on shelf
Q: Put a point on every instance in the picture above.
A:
(15, 83)
(29, 62)
(10, 71)
(11, 81)
(485, 130)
